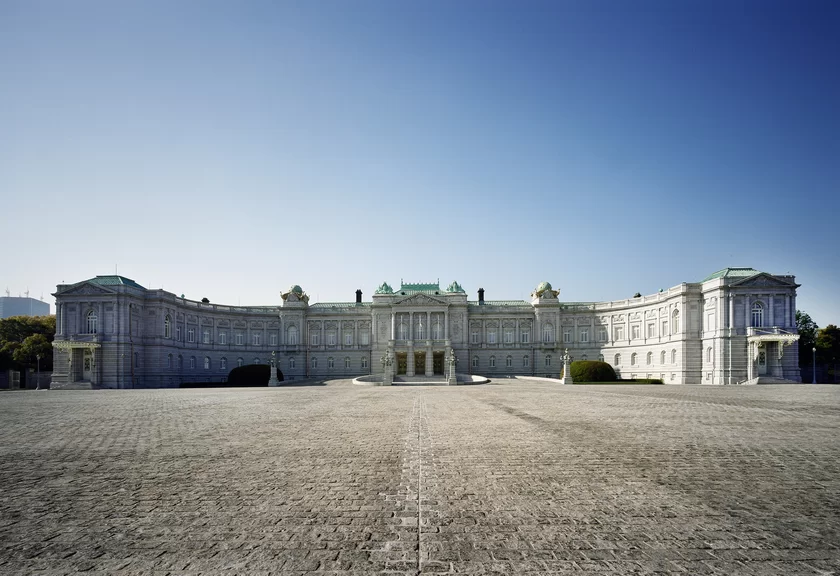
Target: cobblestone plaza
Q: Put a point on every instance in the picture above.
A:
(513, 477)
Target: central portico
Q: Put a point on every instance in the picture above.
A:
(417, 320)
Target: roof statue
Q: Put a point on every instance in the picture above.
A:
(454, 287)
(544, 291)
(384, 288)
(295, 294)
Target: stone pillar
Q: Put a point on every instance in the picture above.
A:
(451, 366)
(747, 318)
(788, 322)
(430, 367)
(411, 326)
(409, 370)
(771, 316)
(393, 326)
(750, 360)
(446, 324)
(356, 334)
(731, 323)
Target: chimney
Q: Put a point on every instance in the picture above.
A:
(481, 295)
(358, 296)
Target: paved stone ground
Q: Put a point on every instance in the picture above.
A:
(515, 477)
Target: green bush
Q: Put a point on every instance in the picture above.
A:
(645, 380)
(592, 371)
(251, 375)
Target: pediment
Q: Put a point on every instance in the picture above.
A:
(421, 300)
(763, 280)
(86, 289)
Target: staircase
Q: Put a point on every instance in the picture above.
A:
(436, 380)
(766, 380)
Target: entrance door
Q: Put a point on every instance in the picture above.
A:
(762, 363)
(402, 362)
(437, 362)
(420, 363)
(87, 366)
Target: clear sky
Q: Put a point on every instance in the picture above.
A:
(230, 149)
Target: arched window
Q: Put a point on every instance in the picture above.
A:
(346, 362)
(292, 335)
(292, 363)
(617, 359)
(240, 362)
(137, 359)
(223, 364)
(509, 361)
(436, 330)
(169, 362)
(662, 357)
(475, 362)
(180, 362)
(330, 362)
(633, 359)
(91, 325)
(548, 333)
(167, 327)
(675, 322)
(256, 360)
(403, 328)
(314, 362)
(710, 355)
(548, 361)
(192, 362)
(364, 362)
(757, 315)
(492, 361)
(673, 356)
(207, 363)
(649, 358)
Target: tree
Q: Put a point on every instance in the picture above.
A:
(807, 330)
(18, 343)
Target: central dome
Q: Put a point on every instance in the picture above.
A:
(296, 290)
(544, 286)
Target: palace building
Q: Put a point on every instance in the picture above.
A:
(734, 327)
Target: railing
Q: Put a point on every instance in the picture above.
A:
(768, 330)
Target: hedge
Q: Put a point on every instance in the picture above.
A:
(592, 371)
(251, 375)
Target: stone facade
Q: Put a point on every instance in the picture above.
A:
(735, 326)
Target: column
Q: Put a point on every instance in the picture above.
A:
(428, 325)
(411, 326)
(731, 312)
(356, 334)
(393, 326)
(446, 324)
(746, 314)
(430, 368)
(788, 322)
(323, 335)
(771, 315)
(340, 342)
(516, 338)
(750, 360)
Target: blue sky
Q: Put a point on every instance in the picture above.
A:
(231, 149)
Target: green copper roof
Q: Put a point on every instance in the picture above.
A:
(420, 287)
(340, 304)
(499, 303)
(115, 281)
(732, 273)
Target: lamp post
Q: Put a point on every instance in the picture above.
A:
(814, 379)
(38, 381)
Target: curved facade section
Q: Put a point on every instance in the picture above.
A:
(735, 326)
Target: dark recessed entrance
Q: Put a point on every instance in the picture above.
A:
(402, 362)
(437, 362)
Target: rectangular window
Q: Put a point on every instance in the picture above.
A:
(315, 339)
(567, 336)
(651, 330)
(223, 338)
(619, 332)
(272, 339)
(509, 362)
(492, 361)
(602, 334)
(330, 338)
(526, 361)
(239, 338)
(365, 338)
(257, 338)
(548, 361)
(191, 335)
(665, 328)
(636, 330)
(491, 337)
(206, 336)
(178, 333)
(508, 336)
(584, 334)
(475, 362)
(474, 337)
(348, 339)
(525, 337)
(364, 362)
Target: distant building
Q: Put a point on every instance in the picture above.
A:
(736, 326)
(10, 306)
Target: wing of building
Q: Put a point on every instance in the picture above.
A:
(736, 326)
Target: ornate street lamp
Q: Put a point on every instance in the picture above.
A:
(814, 380)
